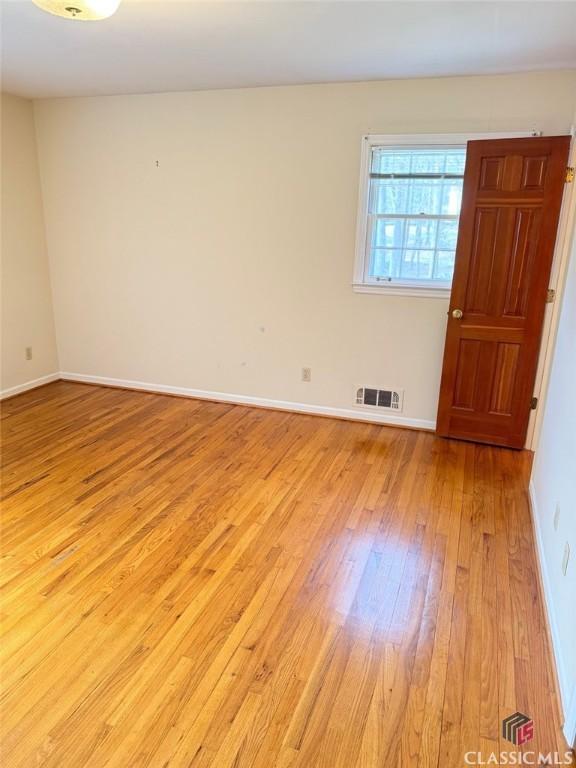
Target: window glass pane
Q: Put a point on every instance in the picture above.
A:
(389, 196)
(425, 197)
(430, 160)
(421, 233)
(451, 198)
(447, 234)
(384, 262)
(404, 196)
(414, 202)
(417, 264)
(388, 233)
(390, 161)
(455, 161)
(444, 265)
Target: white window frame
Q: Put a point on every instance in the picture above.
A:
(425, 288)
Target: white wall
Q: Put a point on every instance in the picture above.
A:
(554, 483)
(27, 318)
(228, 266)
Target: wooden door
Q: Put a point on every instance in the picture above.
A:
(510, 207)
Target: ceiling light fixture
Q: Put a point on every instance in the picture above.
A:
(83, 10)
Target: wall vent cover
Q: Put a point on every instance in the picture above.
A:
(389, 399)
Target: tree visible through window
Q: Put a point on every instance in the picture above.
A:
(413, 207)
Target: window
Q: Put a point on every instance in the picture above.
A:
(409, 209)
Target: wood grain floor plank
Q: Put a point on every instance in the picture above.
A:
(193, 584)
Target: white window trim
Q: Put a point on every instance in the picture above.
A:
(418, 141)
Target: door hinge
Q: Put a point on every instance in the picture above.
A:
(550, 295)
(533, 403)
(569, 174)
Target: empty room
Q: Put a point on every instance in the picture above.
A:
(288, 384)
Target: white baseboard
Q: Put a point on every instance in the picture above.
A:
(570, 720)
(567, 692)
(17, 390)
(260, 402)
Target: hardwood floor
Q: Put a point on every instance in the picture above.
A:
(198, 584)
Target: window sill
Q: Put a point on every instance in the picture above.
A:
(423, 292)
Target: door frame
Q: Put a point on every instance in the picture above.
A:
(565, 234)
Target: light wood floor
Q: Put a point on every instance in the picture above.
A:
(195, 584)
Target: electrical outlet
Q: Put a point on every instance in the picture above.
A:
(28, 353)
(557, 517)
(566, 558)
(306, 374)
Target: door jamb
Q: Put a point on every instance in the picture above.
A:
(562, 250)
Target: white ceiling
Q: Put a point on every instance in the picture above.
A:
(178, 45)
